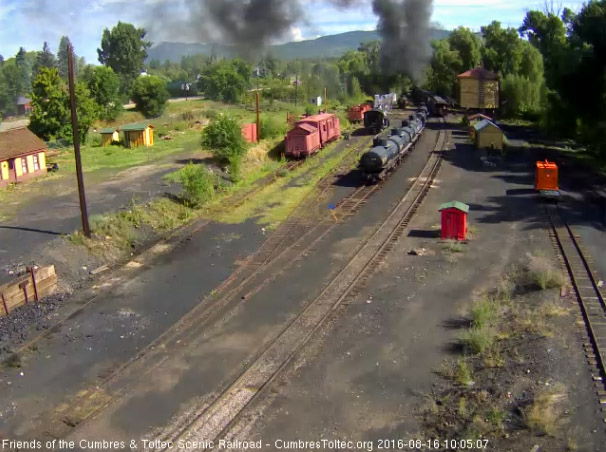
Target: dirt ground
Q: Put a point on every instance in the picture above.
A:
(373, 373)
(375, 370)
(50, 208)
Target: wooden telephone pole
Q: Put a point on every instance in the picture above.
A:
(80, 176)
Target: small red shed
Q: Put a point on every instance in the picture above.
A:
(454, 220)
(250, 133)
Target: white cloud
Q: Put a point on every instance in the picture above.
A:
(296, 34)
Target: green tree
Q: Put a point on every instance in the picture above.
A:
(45, 58)
(104, 86)
(502, 49)
(124, 50)
(62, 57)
(225, 81)
(469, 46)
(443, 69)
(150, 95)
(49, 119)
(10, 87)
(25, 71)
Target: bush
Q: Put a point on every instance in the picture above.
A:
(223, 137)
(211, 114)
(272, 128)
(150, 95)
(198, 185)
(478, 340)
(543, 273)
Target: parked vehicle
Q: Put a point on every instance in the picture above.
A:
(375, 120)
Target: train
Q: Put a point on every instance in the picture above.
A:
(355, 114)
(437, 105)
(311, 134)
(376, 120)
(388, 152)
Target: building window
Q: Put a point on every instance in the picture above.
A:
(24, 165)
(36, 163)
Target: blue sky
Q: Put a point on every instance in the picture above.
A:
(29, 23)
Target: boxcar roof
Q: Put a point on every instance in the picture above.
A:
(307, 127)
(18, 142)
(319, 117)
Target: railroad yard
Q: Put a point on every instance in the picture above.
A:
(384, 239)
(342, 325)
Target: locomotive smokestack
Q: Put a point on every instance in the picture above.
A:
(404, 26)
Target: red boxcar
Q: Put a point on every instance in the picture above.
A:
(311, 134)
(303, 140)
(356, 114)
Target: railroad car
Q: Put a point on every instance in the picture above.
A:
(387, 152)
(311, 134)
(355, 114)
(375, 120)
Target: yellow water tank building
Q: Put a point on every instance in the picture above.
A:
(479, 89)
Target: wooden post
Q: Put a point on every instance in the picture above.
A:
(5, 305)
(23, 286)
(325, 99)
(258, 119)
(31, 270)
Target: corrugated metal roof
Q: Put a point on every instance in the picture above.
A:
(18, 142)
(479, 72)
(135, 127)
(485, 123)
(455, 205)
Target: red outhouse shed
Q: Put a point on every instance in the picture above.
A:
(454, 220)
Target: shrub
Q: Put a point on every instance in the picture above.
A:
(198, 185)
(545, 413)
(478, 340)
(211, 114)
(543, 273)
(484, 313)
(150, 95)
(272, 128)
(223, 137)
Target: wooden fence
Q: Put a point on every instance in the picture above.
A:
(29, 288)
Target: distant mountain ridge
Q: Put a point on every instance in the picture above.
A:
(326, 46)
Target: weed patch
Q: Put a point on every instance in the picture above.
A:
(542, 272)
(545, 414)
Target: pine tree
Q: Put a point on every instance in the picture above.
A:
(62, 57)
(45, 58)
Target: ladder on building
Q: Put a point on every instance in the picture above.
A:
(481, 94)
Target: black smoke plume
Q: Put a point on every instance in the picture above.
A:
(404, 26)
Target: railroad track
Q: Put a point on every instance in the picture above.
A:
(213, 420)
(287, 244)
(589, 295)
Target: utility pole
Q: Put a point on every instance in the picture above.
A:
(296, 90)
(258, 118)
(72, 104)
(325, 99)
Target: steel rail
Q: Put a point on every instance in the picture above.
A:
(215, 419)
